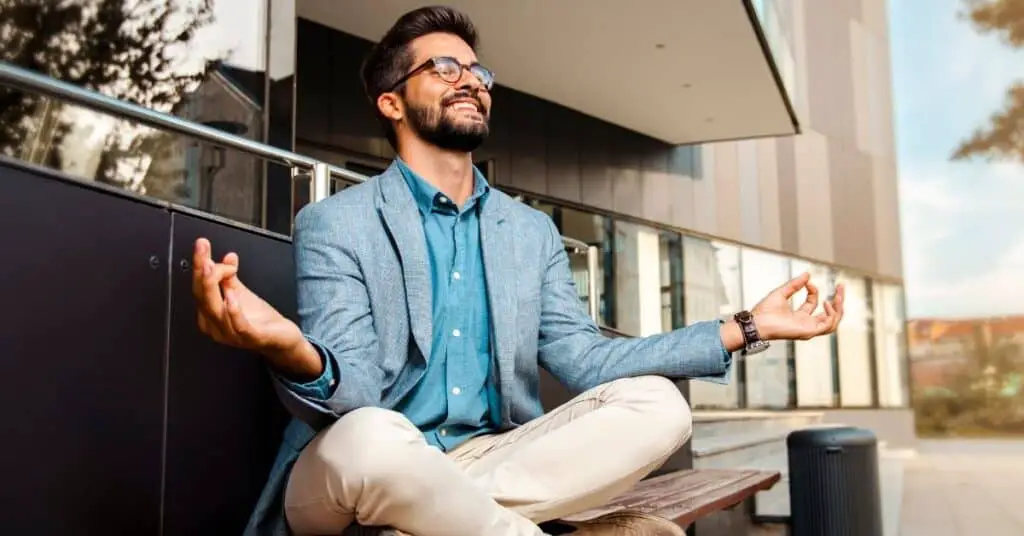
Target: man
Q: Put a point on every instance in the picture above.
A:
(427, 303)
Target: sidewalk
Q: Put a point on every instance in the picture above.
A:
(964, 487)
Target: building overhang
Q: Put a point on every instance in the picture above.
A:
(680, 71)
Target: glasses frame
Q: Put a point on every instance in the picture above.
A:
(433, 63)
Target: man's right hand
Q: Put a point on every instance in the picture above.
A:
(232, 314)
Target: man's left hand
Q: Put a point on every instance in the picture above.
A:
(776, 319)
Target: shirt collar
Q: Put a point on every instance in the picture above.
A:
(427, 196)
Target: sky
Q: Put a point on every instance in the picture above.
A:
(962, 222)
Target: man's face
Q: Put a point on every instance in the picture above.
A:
(449, 114)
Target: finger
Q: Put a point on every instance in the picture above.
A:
(794, 285)
(838, 304)
(232, 282)
(212, 301)
(236, 317)
(200, 256)
(830, 318)
(823, 320)
(811, 303)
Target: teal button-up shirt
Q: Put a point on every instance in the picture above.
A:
(456, 399)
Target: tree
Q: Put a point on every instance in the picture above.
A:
(122, 48)
(1003, 136)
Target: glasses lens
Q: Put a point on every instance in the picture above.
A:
(448, 69)
(485, 75)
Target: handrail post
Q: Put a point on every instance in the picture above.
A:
(593, 302)
(320, 185)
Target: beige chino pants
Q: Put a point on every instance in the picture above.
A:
(374, 467)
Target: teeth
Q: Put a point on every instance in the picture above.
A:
(464, 106)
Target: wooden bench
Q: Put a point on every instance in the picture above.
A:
(686, 496)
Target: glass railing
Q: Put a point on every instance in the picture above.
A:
(121, 169)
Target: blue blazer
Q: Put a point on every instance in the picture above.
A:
(363, 285)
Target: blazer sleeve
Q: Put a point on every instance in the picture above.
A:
(572, 348)
(335, 316)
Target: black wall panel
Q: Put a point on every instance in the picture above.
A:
(83, 283)
(224, 421)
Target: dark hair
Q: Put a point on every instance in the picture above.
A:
(391, 58)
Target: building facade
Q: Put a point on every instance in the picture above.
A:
(709, 150)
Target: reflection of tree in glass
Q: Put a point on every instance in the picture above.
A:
(1003, 137)
(981, 395)
(122, 48)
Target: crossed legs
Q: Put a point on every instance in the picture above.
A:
(375, 468)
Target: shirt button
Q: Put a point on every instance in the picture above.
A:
(442, 199)
(444, 432)
(456, 276)
(456, 333)
(456, 391)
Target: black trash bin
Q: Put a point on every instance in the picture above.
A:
(833, 482)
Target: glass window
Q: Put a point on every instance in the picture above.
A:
(672, 287)
(766, 374)
(814, 360)
(890, 346)
(638, 279)
(854, 345)
(712, 290)
(204, 61)
(591, 229)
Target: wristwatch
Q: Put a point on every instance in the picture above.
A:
(751, 338)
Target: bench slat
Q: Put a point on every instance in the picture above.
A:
(685, 496)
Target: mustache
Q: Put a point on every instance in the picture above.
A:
(464, 95)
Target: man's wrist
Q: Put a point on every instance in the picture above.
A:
(298, 361)
(732, 336)
(732, 333)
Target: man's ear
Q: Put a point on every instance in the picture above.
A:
(391, 106)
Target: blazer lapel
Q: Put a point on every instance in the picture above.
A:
(403, 222)
(497, 239)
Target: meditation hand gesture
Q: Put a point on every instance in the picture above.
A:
(776, 319)
(232, 314)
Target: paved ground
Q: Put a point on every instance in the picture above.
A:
(964, 487)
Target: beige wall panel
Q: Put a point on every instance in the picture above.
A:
(887, 218)
(789, 214)
(727, 191)
(705, 217)
(768, 175)
(853, 207)
(813, 196)
(749, 191)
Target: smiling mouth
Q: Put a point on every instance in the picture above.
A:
(465, 106)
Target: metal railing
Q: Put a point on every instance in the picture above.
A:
(320, 173)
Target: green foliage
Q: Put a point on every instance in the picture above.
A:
(982, 396)
(1002, 138)
(124, 49)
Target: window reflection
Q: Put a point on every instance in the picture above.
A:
(712, 290)
(854, 344)
(203, 60)
(766, 375)
(890, 346)
(814, 360)
(591, 229)
(638, 279)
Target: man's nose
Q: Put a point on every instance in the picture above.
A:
(469, 81)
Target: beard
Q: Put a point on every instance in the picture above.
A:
(437, 126)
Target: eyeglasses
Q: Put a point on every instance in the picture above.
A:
(450, 70)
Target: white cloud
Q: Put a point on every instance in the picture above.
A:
(996, 291)
(963, 238)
